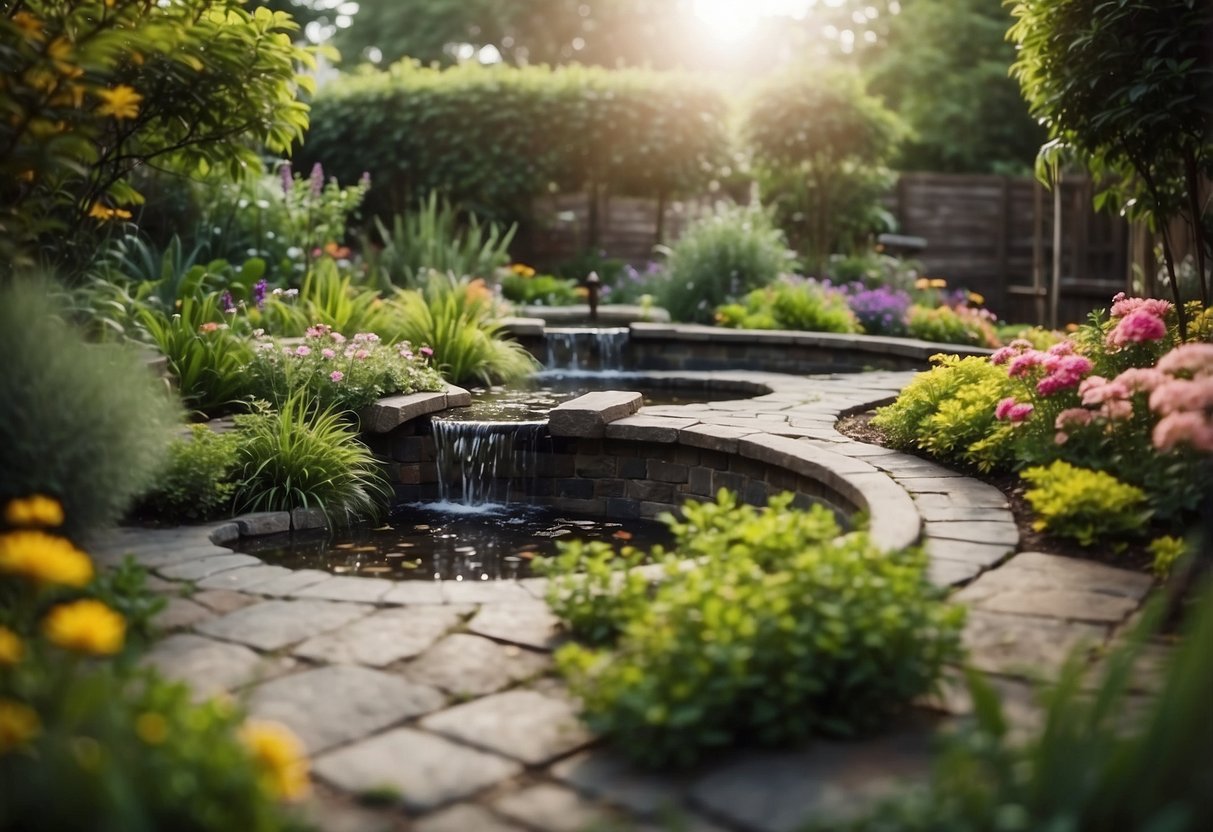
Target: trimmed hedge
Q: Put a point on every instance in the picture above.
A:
(492, 138)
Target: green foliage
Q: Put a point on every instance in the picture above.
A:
(594, 590)
(336, 373)
(454, 318)
(539, 289)
(1084, 505)
(492, 138)
(723, 255)
(776, 628)
(204, 355)
(87, 424)
(99, 89)
(302, 457)
(820, 142)
(1167, 551)
(197, 483)
(792, 303)
(432, 237)
(944, 71)
(949, 412)
(1127, 87)
(1086, 767)
(328, 297)
(946, 325)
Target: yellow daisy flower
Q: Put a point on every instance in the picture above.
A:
(11, 648)
(122, 102)
(44, 559)
(279, 757)
(18, 725)
(86, 626)
(105, 213)
(36, 510)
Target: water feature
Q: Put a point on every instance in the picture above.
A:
(577, 349)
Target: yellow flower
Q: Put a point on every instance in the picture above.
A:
(18, 725)
(938, 283)
(977, 298)
(30, 26)
(121, 102)
(86, 626)
(522, 269)
(11, 648)
(922, 283)
(279, 757)
(105, 214)
(60, 52)
(44, 559)
(152, 728)
(36, 510)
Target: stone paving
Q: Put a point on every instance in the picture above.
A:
(434, 706)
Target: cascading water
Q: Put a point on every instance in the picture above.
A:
(582, 349)
(479, 461)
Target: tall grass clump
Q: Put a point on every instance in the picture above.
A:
(722, 256)
(85, 423)
(302, 457)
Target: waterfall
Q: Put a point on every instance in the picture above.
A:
(479, 461)
(584, 349)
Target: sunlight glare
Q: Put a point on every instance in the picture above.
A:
(732, 20)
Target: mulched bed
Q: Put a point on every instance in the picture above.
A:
(1134, 555)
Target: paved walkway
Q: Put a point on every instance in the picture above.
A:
(437, 702)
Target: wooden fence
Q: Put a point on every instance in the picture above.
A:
(990, 234)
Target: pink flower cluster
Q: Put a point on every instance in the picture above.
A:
(1063, 368)
(1009, 410)
(1184, 398)
(1140, 320)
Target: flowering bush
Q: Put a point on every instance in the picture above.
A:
(521, 284)
(336, 372)
(952, 325)
(1082, 504)
(78, 716)
(881, 311)
(791, 302)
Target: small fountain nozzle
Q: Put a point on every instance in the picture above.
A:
(593, 285)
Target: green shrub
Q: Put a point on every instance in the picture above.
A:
(1087, 766)
(198, 481)
(1167, 552)
(454, 318)
(302, 457)
(1084, 505)
(539, 289)
(203, 353)
(433, 237)
(328, 296)
(792, 303)
(949, 412)
(945, 325)
(336, 373)
(594, 590)
(721, 256)
(780, 628)
(85, 423)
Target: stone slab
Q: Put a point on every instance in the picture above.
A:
(464, 817)
(383, 637)
(587, 416)
(607, 775)
(272, 625)
(391, 412)
(209, 667)
(483, 592)
(415, 592)
(530, 624)
(1024, 646)
(245, 578)
(223, 601)
(722, 438)
(288, 585)
(428, 771)
(170, 555)
(520, 724)
(782, 791)
(196, 570)
(1004, 533)
(330, 706)
(347, 588)
(984, 555)
(552, 808)
(641, 428)
(263, 522)
(179, 613)
(467, 665)
(1038, 569)
(945, 573)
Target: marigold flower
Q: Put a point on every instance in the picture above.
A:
(279, 758)
(121, 102)
(11, 648)
(86, 626)
(19, 724)
(35, 510)
(44, 559)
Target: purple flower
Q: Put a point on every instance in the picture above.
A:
(302, 350)
(336, 376)
(288, 178)
(259, 290)
(881, 311)
(316, 181)
(365, 179)
(227, 303)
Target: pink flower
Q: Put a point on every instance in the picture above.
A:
(327, 353)
(337, 337)
(1184, 428)
(1183, 395)
(1116, 410)
(336, 376)
(426, 351)
(303, 350)
(1020, 412)
(1065, 347)
(1193, 359)
(1140, 379)
(1138, 326)
(1021, 364)
(1123, 306)
(366, 338)
(1003, 409)
(1097, 390)
(1061, 437)
(1065, 371)
(1073, 417)
(317, 331)
(361, 355)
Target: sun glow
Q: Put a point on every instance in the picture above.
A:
(732, 20)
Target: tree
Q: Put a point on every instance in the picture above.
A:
(91, 91)
(944, 70)
(1127, 88)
